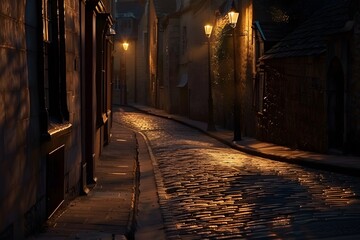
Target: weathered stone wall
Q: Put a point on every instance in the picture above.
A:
(223, 75)
(72, 50)
(195, 59)
(354, 88)
(142, 72)
(152, 54)
(225, 63)
(169, 100)
(294, 107)
(18, 168)
(246, 67)
(22, 150)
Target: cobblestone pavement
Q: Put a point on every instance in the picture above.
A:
(210, 191)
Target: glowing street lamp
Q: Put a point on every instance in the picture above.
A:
(208, 29)
(233, 18)
(125, 47)
(211, 125)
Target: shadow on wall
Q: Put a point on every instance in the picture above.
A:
(18, 172)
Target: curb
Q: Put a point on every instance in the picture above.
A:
(131, 228)
(131, 225)
(306, 162)
(150, 223)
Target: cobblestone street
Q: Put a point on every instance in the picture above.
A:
(208, 190)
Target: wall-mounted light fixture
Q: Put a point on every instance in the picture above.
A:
(111, 31)
(233, 18)
(125, 46)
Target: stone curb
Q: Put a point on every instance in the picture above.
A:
(307, 162)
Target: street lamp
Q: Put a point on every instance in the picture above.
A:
(233, 18)
(211, 125)
(125, 47)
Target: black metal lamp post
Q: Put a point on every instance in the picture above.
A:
(233, 17)
(125, 47)
(211, 125)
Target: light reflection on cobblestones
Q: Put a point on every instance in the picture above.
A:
(212, 191)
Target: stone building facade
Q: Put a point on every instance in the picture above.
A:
(128, 15)
(311, 83)
(54, 106)
(278, 95)
(184, 60)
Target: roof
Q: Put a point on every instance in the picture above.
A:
(272, 31)
(310, 37)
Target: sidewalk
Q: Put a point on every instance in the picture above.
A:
(109, 210)
(349, 165)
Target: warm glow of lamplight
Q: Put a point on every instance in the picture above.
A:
(125, 46)
(233, 17)
(208, 29)
(111, 31)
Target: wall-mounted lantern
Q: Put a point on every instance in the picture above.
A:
(233, 18)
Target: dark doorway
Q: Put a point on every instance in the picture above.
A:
(54, 180)
(335, 105)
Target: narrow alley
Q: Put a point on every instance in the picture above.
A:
(179, 119)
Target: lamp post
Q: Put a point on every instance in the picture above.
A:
(211, 125)
(233, 17)
(125, 47)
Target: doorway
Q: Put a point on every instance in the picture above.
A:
(55, 180)
(336, 105)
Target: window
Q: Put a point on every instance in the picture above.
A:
(54, 60)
